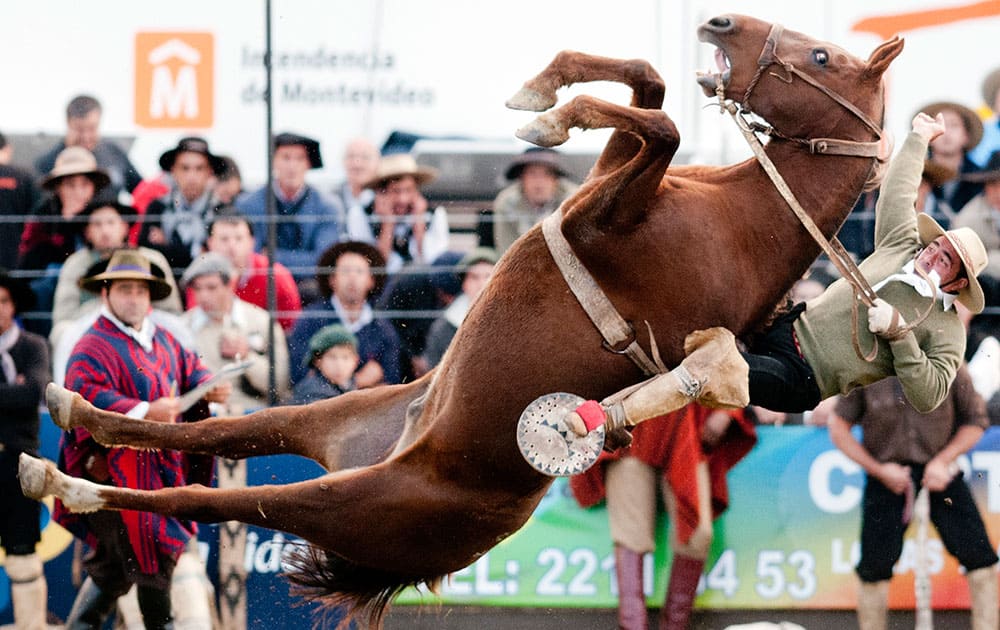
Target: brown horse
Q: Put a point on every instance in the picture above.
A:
(426, 477)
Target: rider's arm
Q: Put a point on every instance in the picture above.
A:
(926, 372)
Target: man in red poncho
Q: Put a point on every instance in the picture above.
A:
(691, 449)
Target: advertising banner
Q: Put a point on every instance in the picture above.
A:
(789, 540)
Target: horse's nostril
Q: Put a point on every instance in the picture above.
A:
(721, 22)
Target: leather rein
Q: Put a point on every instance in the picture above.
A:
(833, 248)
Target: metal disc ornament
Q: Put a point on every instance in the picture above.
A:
(549, 445)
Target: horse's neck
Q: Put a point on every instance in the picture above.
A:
(827, 187)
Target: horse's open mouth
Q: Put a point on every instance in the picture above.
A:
(709, 80)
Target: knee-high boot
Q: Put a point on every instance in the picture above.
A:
(631, 600)
(984, 596)
(873, 605)
(28, 590)
(685, 572)
(91, 607)
(155, 606)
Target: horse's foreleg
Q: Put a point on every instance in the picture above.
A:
(350, 430)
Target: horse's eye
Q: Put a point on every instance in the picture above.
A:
(821, 57)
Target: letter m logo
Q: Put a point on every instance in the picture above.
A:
(174, 80)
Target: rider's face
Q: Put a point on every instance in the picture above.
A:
(940, 256)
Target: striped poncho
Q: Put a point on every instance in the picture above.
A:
(112, 371)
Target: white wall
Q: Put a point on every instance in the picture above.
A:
(462, 59)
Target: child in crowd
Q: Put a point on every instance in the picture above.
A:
(332, 359)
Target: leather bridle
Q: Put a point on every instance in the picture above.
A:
(830, 146)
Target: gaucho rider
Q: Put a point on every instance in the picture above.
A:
(918, 270)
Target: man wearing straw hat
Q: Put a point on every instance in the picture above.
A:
(127, 364)
(814, 351)
(398, 222)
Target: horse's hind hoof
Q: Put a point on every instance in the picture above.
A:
(531, 100)
(32, 473)
(60, 403)
(544, 132)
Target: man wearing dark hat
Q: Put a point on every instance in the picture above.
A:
(24, 371)
(398, 221)
(176, 224)
(980, 213)
(539, 186)
(963, 130)
(105, 232)
(308, 221)
(127, 364)
(346, 291)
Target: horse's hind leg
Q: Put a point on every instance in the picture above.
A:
(619, 197)
(539, 94)
(299, 508)
(355, 429)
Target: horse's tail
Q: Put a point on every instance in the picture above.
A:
(360, 593)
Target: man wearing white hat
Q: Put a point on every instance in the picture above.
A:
(398, 222)
(808, 354)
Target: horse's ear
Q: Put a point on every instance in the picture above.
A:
(883, 56)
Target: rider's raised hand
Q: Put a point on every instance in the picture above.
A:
(927, 127)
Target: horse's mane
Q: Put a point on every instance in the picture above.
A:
(334, 582)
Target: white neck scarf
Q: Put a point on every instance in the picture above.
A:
(143, 336)
(366, 317)
(7, 341)
(909, 276)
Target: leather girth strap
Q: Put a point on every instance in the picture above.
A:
(619, 335)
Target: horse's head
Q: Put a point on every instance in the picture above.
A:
(803, 87)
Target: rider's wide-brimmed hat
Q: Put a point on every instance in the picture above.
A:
(970, 250)
(398, 165)
(76, 161)
(973, 124)
(130, 264)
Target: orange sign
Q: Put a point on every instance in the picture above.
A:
(174, 80)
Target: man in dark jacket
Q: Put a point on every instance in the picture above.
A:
(24, 370)
(83, 120)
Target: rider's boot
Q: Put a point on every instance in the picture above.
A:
(713, 373)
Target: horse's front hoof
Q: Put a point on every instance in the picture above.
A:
(543, 132)
(31, 471)
(531, 100)
(60, 403)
